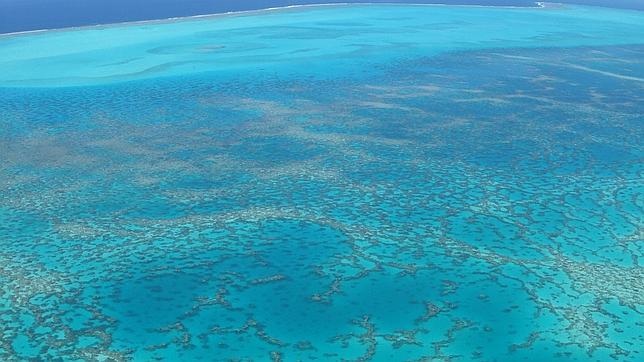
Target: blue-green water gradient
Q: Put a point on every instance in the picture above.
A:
(365, 182)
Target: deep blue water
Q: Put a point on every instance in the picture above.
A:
(24, 15)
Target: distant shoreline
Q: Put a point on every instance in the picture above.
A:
(537, 5)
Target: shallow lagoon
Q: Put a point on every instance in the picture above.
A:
(25, 15)
(348, 182)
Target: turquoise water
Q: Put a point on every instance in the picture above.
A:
(335, 183)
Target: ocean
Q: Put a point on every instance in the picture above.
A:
(346, 182)
(25, 15)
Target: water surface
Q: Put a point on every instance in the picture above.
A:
(25, 15)
(348, 182)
